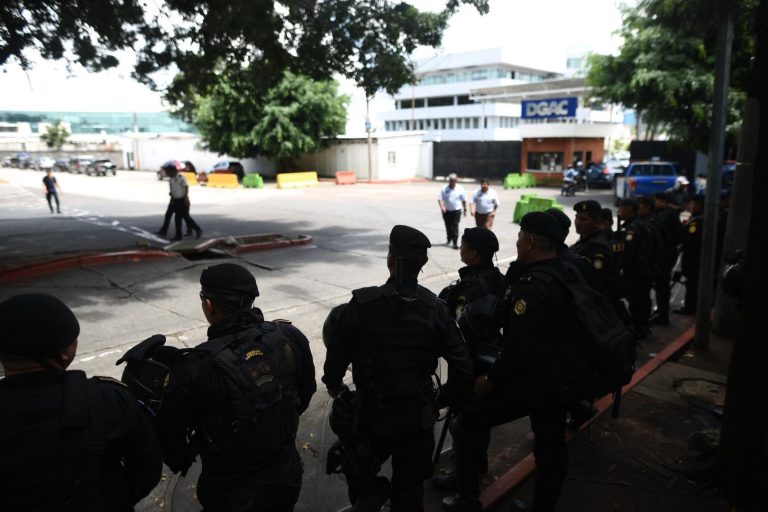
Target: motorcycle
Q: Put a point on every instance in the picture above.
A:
(569, 186)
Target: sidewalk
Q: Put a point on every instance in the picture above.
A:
(644, 460)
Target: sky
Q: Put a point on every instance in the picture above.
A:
(542, 32)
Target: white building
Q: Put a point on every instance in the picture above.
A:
(441, 102)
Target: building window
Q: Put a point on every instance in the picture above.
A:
(442, 124)
(450, 123)
(442, 101)
(485, 122)
(391, 157)
(475, 122)
(479, 74)
(549, 162)
(463, 100)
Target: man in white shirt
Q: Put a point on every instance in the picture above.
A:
(484, 204)
(179, 204)
(452, 200)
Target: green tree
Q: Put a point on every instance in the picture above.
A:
(296, 116)
(665, 68)
(369, 41)
(56, 135)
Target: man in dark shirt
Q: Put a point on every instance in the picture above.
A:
(241, 394)
(51, 188)
(527, 378)
(691, 258)
(393, 335)
(594, 247)
(67, 442)
(632, 246)
(667, 218)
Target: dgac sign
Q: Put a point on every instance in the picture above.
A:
(553, 107)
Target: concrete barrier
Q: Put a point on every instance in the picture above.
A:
(223, 180)
(253, 181)
(346, 178)
(296, 179)
(190, 177)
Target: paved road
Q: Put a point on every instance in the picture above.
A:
(119, 305)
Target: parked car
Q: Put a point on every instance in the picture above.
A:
(229, 166)
(181, 165)
(7, 161)
(726, 183)
(599, 176)
(101, 168)
(22, 160)
(61, 165)
(78, 164)
(44, 163)
(647, 178)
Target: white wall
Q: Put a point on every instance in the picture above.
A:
(151, 152)
(412, 158)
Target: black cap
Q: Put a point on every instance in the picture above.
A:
(36, 325)
(588, 206)
(406, 241)
(481, 239)
(563, 220)
(228, 282)
(629, 201)
(542, 224)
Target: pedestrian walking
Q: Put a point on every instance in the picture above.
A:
(179, 205)
(452, 200)
(51, 188)
(241, 393)
(484, 204)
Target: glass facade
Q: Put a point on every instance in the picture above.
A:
(102, 122)
(492, 73)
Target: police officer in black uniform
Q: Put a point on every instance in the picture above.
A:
(691, 258)
(582, 265)
(236, 399)
(478, 279)
(633, 249)
(393, 335)
(667, 219)
(594, 247)
(472, 299)
(527, 378)
(67, 442)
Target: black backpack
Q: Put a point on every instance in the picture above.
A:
(259, 420)
(606, 350)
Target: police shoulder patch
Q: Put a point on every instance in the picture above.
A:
(520, 307)
(598, 263)
(630, 236)
(692, 228)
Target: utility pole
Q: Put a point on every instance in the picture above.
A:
(368, 130)
(712, 197)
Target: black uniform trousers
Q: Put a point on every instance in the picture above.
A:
(548, 424)
(452, 220)
(272, 489)
(663, 287)
(411, 464)
(179, 208)
(638, 294)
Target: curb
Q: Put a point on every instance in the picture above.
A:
(495, 492)
(83, 260)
